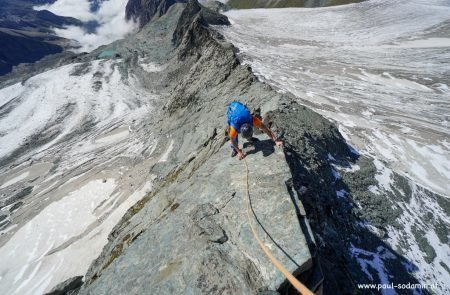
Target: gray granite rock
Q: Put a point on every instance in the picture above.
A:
(144, 11)
(204, 245)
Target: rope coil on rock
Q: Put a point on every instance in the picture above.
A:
(302, 289)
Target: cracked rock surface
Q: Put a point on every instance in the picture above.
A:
(205, 244)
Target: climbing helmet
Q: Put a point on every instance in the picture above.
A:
(247, 130)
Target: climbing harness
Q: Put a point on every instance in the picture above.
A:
(302, 289)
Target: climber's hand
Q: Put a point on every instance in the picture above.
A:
(241, 155)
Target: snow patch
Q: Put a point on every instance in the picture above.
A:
(390, 81)
(152, 67)
(336, 174)
(9, 93)
(25, 255)
(330, 157)
(341, 193)
(384, 175)
(165, 156)
(113, 136)
(426, 43)
(374, 260)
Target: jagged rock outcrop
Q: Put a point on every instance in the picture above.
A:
(216, 6)
(194, 19)
(144, 10)
(68, 287)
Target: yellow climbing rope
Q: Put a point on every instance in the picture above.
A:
(302, 289)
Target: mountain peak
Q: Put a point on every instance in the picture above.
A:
(144, 10)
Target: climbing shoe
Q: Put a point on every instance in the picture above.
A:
(233, 153)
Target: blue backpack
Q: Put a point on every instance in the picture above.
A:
(238, 114)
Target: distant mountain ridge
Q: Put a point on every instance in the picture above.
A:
(21, 15)
(26, 34)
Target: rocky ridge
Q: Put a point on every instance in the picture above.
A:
(190, 234)
(199, 200)
(144, 10)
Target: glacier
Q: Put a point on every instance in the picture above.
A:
(90, 118)
(380, 69)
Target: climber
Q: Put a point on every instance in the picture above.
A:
(240, 120)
